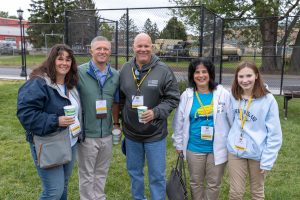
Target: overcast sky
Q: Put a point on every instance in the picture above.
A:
(11, 6)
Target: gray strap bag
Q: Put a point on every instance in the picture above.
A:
(54, 149)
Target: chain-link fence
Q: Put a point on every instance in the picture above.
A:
(177, 38)
(174, 41)
(270, 42)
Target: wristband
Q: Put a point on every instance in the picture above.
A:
(118, 124)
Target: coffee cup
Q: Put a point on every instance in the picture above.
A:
(116, 135)
(69, 110)
(140, 111)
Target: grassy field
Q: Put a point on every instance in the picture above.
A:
(34, 60)
(19, 180)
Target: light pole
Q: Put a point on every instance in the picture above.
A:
(20, 16)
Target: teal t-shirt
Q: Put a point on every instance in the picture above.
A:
(198, 118)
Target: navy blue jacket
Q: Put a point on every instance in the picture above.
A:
(40, 103)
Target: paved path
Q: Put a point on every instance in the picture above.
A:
(273, 81)
(12, 73)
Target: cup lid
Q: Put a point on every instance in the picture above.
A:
(69, 107)
(142, 107)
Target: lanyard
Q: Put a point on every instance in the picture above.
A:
(243, 119)
(201, 104)
(135, 79)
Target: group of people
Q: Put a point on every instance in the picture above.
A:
(211, 126)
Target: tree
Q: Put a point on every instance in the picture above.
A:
(5, 15)
(174, 30)
(106, 30)
(47, 17)
(84, 4)
(295, 58)
(151, 29)
(267, 13)
(83, 25)
(132, 29)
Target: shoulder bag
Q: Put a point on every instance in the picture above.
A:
(53, 149)
(176, 185)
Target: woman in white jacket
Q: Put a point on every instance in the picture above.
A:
(255, 136)
(201, 125)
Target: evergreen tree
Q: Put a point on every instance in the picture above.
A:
(83, 25)
(132, 29)
(151, 30)
(46, 18)
(106, 30)
(174, 30)
(5, 15)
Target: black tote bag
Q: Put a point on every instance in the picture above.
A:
(176, 185)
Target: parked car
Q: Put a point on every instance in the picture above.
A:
(176, 51)
(9, 50)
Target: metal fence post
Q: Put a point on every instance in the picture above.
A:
(283, 57)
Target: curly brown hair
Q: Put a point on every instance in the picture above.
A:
(48, 66)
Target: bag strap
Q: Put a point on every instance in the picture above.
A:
(180, 167)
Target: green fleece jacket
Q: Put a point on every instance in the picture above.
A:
(90, 91)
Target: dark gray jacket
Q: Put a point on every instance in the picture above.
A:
(161, 94)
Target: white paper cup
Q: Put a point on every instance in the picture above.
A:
(69, 110)
(116, 133)
(140, 111)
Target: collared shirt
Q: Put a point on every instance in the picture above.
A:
(100, 75)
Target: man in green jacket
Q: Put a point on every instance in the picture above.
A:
(145, 81)
(98, 88)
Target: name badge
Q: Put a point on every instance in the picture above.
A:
(101, 109)
(137, 101)
(207, 132)
(75, 128)
(240, 143)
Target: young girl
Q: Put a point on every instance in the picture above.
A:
(255, 136)
(201, 125)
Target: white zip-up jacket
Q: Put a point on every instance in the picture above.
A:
(223, 118)
(262, 131)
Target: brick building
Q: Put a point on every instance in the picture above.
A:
(10, 31)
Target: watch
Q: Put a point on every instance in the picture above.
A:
(116, 124)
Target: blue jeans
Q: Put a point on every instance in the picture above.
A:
(54, 180)
(155, 153)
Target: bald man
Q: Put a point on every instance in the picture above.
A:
(146, 81)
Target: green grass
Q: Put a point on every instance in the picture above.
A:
(33, 61)
(19, 180)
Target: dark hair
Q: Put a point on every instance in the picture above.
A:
(48, 66)
(210, 69)
(259, 89)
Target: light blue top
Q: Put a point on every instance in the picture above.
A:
(74, 103)
(198, 118)
(100, 75)
(262, 130)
